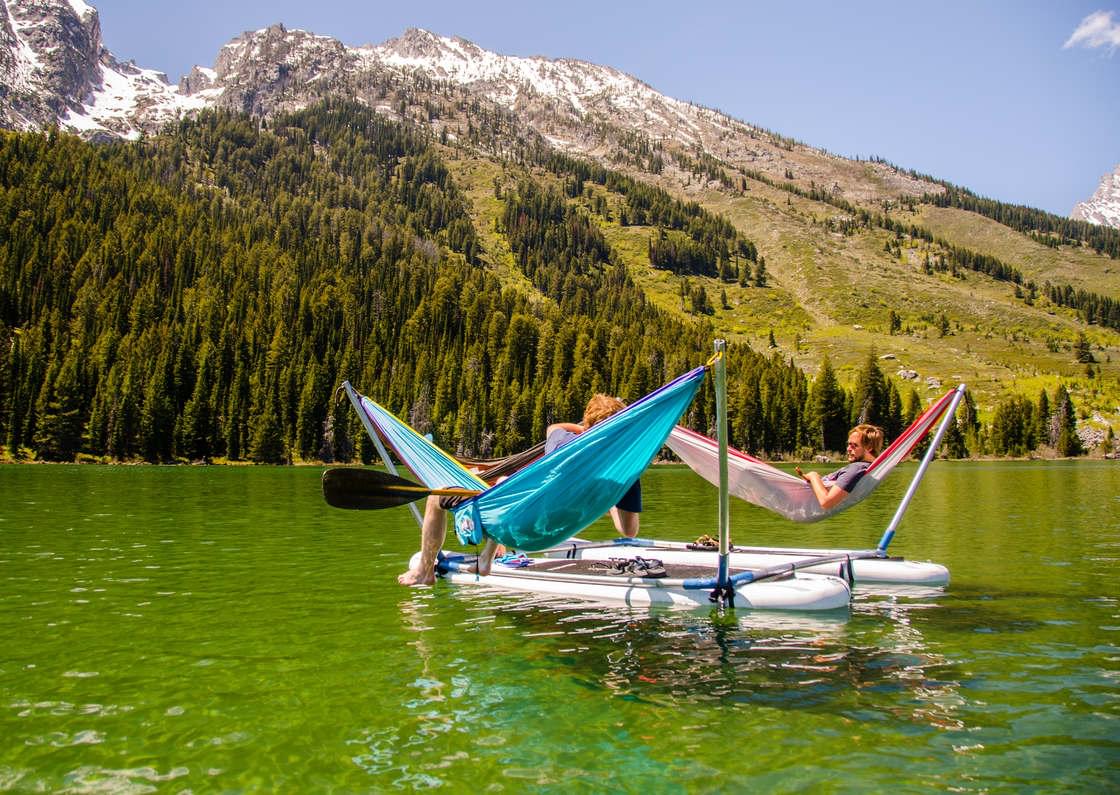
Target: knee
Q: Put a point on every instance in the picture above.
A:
(432, 508)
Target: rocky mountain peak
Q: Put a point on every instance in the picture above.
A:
(55, 70)
(420, 44)
(263, 71)
(51, 58)
(1103, 207)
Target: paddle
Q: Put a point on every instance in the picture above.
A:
(371, 489)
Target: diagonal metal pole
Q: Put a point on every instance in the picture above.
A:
(381, 451)
(888, 534)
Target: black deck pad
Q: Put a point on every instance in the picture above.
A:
(676, 571)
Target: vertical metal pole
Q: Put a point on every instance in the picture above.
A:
(381, 451)
(888, 534)
(720, 373)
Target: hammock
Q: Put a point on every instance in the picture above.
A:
(559, 494)
(491, 469)
(760, 484)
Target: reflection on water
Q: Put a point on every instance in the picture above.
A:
(664, 665)
(216, 629)
(783, 659)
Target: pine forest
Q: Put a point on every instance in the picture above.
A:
(200, 295)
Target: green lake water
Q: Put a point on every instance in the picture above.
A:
(221, 629)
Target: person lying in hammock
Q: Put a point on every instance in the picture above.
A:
(434, 528)
(864, 443)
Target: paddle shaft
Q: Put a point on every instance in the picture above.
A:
(421, 491)
(371, 490)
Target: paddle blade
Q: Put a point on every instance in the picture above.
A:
(368, 489)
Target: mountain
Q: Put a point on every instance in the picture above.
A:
(55, 69)
(798, 252)
(1104, 206)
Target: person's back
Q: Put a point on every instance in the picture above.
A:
(625, 513)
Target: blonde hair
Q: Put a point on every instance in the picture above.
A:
(870, 436)
(600, 407)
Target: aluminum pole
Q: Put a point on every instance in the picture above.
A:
(381, 451)
(888, 534)
(720, 379)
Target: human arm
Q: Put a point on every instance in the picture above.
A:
(570, 427)
(828, 495)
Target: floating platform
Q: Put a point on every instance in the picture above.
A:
(867, 566)
(685, 584)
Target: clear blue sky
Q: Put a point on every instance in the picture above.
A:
(1001, 97)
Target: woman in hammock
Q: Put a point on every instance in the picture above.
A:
(864, 443)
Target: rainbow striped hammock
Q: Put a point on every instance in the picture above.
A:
(550, 500)
(758, 483)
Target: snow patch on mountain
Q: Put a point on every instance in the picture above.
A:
(54, 69)
(1104, 206)
(510, 79)
(57, 71)
(81, 9)
(127, 100)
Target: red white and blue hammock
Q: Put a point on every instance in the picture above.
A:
(761, 484)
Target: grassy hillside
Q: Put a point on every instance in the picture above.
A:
(830, 293)
(1077, 266)
(996, 342)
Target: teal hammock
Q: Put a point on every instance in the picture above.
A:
(559, 494)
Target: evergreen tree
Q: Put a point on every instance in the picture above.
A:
(1044, 416)
(969, 423)
(953, 443)
(60, 424)
(1082, 350)
(760, 277)
(1068, 443)
(1013, 426)
(196, 423)
(871, 397)
(892, 423)
(828, 414)
(267, 445)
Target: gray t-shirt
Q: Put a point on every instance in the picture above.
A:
(847, 477)
(557, 438)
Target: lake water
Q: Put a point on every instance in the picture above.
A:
(221, 629)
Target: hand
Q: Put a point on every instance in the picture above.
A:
(800, 474)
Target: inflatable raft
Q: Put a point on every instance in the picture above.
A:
(684, 584)
(867, 566)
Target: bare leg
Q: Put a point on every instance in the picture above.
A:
(432, 533)
(486, 558)
(625, 522)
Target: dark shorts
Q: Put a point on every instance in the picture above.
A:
(632, 499)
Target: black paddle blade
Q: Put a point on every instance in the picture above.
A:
(368, 489)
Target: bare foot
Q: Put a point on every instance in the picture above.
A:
(413, 577)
